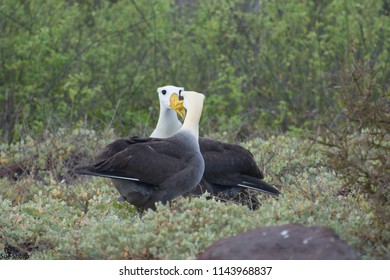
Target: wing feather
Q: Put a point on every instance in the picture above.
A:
(150, 161)
(223, 158)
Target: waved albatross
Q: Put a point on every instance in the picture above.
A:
(148, 170)
(229, 168)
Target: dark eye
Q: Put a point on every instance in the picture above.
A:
(164, 92)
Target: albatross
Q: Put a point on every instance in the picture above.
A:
(229, 168)
(150, 170)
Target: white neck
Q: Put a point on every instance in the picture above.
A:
(167, 125)
(194, 112)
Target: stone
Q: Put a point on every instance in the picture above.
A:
(284, 242)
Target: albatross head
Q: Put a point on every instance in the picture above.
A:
(193, 102)
(170, 105)
(169, 99)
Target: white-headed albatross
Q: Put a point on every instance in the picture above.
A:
(229, 168)
(168, 123)
(148, 170)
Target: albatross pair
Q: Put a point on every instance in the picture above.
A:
(229, 168)
(148, 170)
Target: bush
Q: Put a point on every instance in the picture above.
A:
(81, 219)
(261, 63)
(357, 143)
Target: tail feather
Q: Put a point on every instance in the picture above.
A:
(243, 181)
(259, 185)
(90, 171)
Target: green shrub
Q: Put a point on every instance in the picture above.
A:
(357, 142)
(81, 219)
(261, 64)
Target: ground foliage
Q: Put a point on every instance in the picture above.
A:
(47, 213)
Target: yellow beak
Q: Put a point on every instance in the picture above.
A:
(177, 105)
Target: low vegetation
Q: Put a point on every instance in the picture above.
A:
(47, 213)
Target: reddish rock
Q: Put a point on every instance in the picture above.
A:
(285, 242)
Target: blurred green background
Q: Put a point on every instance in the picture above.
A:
(264, 65)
